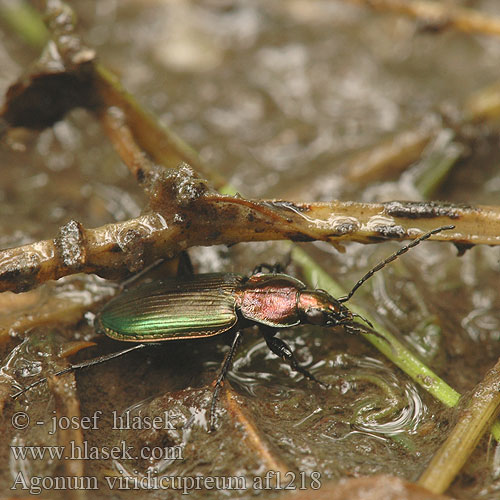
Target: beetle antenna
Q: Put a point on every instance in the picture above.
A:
(79, 366)
(391, 258)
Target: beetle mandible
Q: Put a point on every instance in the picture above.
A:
(205, 305)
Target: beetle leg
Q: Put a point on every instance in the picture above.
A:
(369, 323)
(277, 268)
(185, 266)
(272, 269)
(226, 364)
(283, 350)
(139, 275)
(78, 366)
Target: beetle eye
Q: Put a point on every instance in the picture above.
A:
(316, 316)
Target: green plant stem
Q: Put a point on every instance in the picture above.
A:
(435, 168)
(24, 20)
(392, 348)
(474, 421)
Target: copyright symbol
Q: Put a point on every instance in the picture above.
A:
(20, 420)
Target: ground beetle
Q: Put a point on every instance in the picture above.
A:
(205, 305)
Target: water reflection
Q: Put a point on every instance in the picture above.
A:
(365, 396)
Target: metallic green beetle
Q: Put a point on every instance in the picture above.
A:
(205, 305)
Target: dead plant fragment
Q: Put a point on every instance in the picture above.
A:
(438, 16)
(184, 210)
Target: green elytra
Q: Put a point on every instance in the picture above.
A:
(194, 307)
(200, 306)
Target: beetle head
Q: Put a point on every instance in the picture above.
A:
(320, 308)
